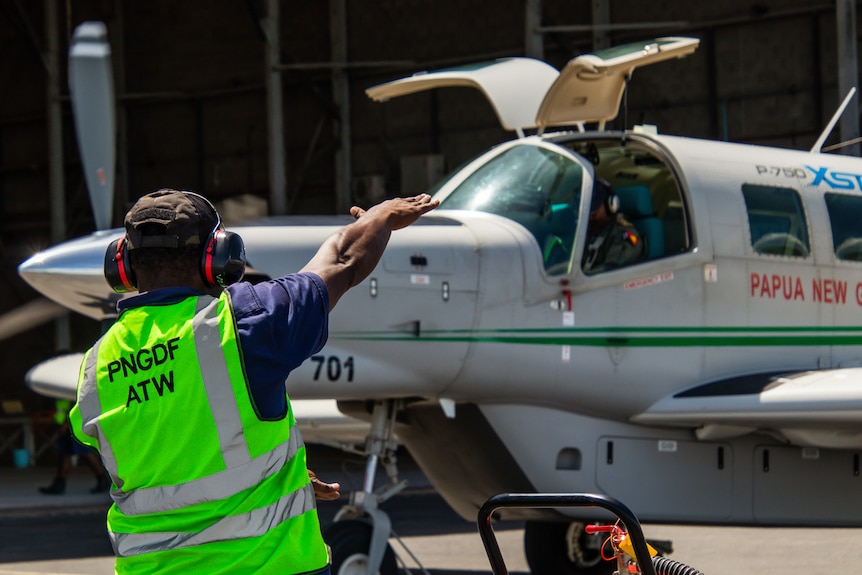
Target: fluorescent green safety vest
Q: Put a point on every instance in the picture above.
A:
(201, 484)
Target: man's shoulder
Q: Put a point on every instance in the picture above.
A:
(624, 222)
(267, 296)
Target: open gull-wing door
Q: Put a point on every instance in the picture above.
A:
(820, 408)
(590, 86)
(528, 93)
(514, 87)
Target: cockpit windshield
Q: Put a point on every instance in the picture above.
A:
(534, 186)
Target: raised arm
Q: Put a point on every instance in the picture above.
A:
(349, 255)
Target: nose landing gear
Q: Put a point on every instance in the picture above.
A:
(359, 536)
(350, 542)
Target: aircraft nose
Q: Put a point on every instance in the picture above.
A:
(72, 274)
(84, 255)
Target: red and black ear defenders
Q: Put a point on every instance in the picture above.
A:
(118, 267)
(222, 261)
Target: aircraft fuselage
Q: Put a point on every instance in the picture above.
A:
(650, 381)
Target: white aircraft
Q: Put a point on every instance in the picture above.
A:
(717, 380)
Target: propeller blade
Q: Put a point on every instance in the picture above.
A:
(92, 90)
(28, 316)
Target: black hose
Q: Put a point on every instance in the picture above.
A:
(665, 566)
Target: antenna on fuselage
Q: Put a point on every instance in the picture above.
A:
(818, 145)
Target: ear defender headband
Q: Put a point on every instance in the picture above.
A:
(222, 260)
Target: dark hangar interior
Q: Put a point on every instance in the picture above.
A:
(210, 96)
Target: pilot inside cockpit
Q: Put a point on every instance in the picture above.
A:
(612, 241)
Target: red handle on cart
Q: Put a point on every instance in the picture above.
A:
(615, 529)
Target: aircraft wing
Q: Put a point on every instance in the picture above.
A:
(821, 408)
(319, 420)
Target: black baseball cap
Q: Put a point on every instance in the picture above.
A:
(170, 219)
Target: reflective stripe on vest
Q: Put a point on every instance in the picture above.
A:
(210, 488)
(252, 524)
(139, 525)
(214, 369)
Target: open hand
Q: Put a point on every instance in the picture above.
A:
(400, 212)
(324, 491)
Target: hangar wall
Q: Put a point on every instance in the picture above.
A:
(191, 99)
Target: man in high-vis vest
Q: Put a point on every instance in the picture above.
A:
(184, 395)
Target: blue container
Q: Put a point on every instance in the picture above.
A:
(22, 457)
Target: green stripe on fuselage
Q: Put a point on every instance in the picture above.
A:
(629, 336)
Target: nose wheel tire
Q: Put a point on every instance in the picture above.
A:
(349, 542)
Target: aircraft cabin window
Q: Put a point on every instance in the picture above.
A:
(845, 215)
(776, 221)
(534, 186)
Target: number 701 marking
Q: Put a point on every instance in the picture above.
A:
(336, 368)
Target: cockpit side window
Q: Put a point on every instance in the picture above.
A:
(776, 220)
(651, 221)
(845, 215)
(534, 186)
